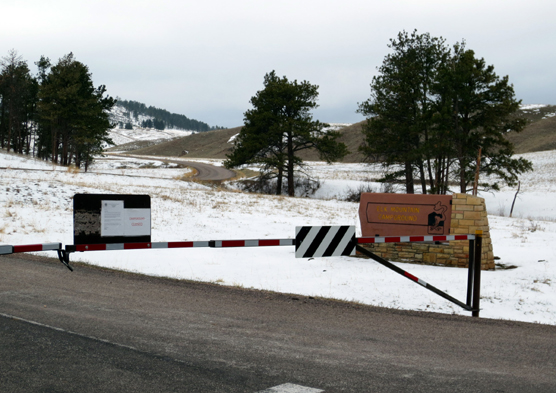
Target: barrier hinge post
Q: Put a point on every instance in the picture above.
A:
(470, 274)
(63, 256)
(477, 273)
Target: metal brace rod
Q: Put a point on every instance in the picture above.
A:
(410, 276)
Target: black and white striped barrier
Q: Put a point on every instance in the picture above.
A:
(324, 241)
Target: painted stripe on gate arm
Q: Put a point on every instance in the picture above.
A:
(251, 243)
(6, 249)
(413, 239)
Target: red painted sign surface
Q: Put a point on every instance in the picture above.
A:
(405, 214)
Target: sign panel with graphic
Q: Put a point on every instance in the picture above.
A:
(404, 214)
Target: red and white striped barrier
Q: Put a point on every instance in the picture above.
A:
(413, 239)
(9, 249)
(133, 246)
(190, 244)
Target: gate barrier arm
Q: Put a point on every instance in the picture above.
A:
(474, 275)
(63, 255)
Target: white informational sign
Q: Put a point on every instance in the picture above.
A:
(117, 221)
(137, 222)
(112, 218)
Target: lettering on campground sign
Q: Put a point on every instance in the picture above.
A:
(405, 214)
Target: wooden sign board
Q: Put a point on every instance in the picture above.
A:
(405, 214)
(111, 218)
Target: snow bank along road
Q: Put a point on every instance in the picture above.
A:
(100, 330)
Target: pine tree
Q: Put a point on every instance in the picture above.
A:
(18, 97)
(75, 112)
(476, 110)
(432, 109)
(279, 126)
(399, 110)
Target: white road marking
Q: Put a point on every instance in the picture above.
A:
(291, 388)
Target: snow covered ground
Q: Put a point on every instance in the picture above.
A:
(36, 207)
(121, 135)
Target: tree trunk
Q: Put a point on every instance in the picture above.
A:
(279, 180)
(409, 188)
(432, 180)
(2, 125)
(10, 127)
(291, 188)
(462, 183)
(54, 136)
(423, 178)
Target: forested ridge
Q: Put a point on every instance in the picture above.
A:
(162, 119)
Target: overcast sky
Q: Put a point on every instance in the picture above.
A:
(206, 59)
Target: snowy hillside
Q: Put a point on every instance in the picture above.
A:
(535, 108)
(120, 116)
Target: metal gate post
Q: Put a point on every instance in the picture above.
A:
(470, 275)
(477, 273)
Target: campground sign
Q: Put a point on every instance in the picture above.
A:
(405, 214)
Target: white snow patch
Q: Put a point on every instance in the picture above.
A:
(528, 107)
(233, 138)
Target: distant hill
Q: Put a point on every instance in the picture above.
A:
(210, 144)
(132, 114)
(540, 134)
(218, 143)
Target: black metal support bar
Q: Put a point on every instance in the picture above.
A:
(470, 274)
(431, 288)
(477, 273)
(63, 256)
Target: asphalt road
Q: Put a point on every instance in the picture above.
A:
(205, 172)
(97, 330)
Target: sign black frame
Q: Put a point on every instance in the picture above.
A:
(89, 205)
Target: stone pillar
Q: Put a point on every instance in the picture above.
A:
(469, 215)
